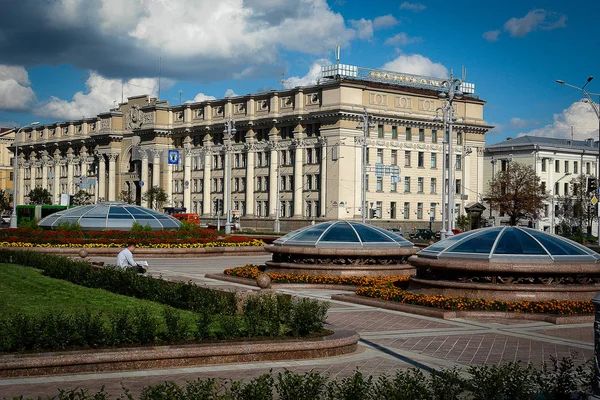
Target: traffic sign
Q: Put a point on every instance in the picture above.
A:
(141, 183)
(173, 157)
(594, 200)
(599, 190)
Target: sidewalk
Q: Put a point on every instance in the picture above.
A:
(389, 340)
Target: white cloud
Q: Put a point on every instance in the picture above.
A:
(385, 21)
(402, 39)
(15, 91)
(579, 115)
(364, 28)
(100, 97)
(230, 93)
(418, 65)
(416, 7)
(311, 77)
(519, 123)
(491, 36)
(536, 19)
(200, 97)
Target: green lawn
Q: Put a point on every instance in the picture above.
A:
(26, 290)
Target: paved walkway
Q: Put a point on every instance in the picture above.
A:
(389, 340)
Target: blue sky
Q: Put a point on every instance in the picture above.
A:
(66, 59)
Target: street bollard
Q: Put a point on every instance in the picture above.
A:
(596, 382)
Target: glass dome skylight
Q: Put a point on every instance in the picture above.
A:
(342, 234)
(110, 215)
(502, 243)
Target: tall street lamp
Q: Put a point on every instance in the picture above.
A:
(366, 125)
(13, 217)
(444, 110)
(229, 130)
(597, 111)
(450, 92)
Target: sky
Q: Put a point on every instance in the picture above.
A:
(64, 60)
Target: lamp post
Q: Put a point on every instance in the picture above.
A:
(553, 197)
(13, 217)
(450, 92)
(366, 124)
(277, 199)
(444, 110)
(229, 130)
(595, 106)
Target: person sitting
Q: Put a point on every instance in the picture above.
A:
(125, 259)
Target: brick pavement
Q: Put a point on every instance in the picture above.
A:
(389, 340)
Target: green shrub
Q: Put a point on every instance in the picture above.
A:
(203, 321)
(30, 225)
(264, 314)
(136, 227)
(563, 380)
(406, 385)
(68, 226)
(354, 387)
(292, 386)
(230, 327)
(163, 391)
(307, 315)
(176, 327)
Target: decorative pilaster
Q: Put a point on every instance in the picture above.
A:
(273, 166)
(21, 180)
(112, 183)
(145, 183)
(70, 175)
(101, 178)
(56, 185)
(323, 172)
(187, 176)
(250, 173)
(32, 171)
(298, 163)
(156, 168)
(45, 171)
(206, 200)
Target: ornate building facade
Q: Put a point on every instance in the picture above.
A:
(295, 152)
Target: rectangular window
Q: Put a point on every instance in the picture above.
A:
(543, 165)
(394, 157)
(379, 186)
(433, 160)
(459, 138)
(421, 159)
(393, 210)
(308, 212)
(309, 185)
(236, 161)
(236, 185)
(243, 183)
(407, 158)
(407, 184)
(566, 167)
(379, 209)
(380, 131)
(393, 186)
(368, 154)
(408, 134)
(556, 166)
(215, 162)
(379, 156)
(309, 156)
(458, 186)
(421, 135)
(575, 167)
(587, 168)
(259, 157)
(432, 207)
(406, 210)
(544, 187)
(394, 132)
(566, 188)
(459, 161)
(433, 185)
(195, 186)
(434, 138)
(318, 181)
(419, 210)
(420, 182)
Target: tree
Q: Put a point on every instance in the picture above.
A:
(81, 198)
(5, 201)
(126, 197)
(40, 196)
(156, 197)
(576, 210)
(516, 192)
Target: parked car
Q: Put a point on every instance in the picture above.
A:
(5, 219)
(422, 234)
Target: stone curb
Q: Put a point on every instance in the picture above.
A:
(342, 341)
(152, 253)
(252, 282)
(443, 314)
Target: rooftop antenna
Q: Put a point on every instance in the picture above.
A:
(464, 74)
(571, 133)
(180, 93)
(337, 54)
(122, 91)
(159, 74)
(282, 80)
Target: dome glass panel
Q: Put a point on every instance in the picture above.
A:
(343, 234)
(110, 215)
(512, 242)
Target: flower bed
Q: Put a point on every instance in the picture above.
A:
(388, 292)
(252, 272)
(197, 238)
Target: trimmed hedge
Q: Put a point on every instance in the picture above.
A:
(560, 380)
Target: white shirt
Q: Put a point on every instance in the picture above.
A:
(125, 259)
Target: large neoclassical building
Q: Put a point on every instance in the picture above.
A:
(300, 146)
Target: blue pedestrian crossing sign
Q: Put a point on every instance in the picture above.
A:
(173, 157)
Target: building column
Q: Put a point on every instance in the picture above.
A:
(112, 182)
(298, 162)
(83, 168)
(70, 181)
(170, 184)
(323, 172)
(21, 181)
(44, 172)
(250, 182)
(101, 178)
(56, 194)
(187, 176)
(206, 203)
(32, 171)
(156, 168)
(273, 183)
(144, 179)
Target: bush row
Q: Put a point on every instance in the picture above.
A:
(264, 315)
(557, 381)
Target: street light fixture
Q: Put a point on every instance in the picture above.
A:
(13, 217)
(366, 125)
(595, 106)
(229, 130)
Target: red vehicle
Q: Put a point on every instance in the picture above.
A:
(190, 218)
